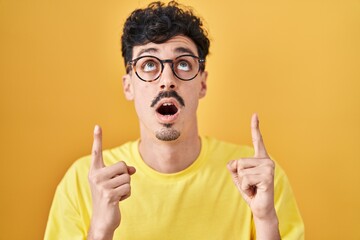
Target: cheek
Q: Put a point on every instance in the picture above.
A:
(141, 90)
(143, 110)
(194, 94)
(191, 101)
(143, 97)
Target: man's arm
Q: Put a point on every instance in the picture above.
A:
(254, 178)
(109, 185)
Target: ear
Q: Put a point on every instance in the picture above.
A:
(128, 87)
(203, 87)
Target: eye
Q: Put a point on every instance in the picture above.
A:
(149, 65)
(184, 65)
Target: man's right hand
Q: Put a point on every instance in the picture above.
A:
(108, 185)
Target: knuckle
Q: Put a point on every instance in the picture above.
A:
(268, 180)
(94, 178)
(127, 187)
(122, 164)
(240, 163)
(269, 171)
(240, 173)
(125, 197)
(122, 167)
(127, 177)
(270, 162)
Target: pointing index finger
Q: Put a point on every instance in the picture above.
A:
(96, 159)
(257, 140)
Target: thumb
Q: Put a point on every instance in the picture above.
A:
(131, 170)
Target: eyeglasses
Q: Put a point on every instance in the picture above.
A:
(149, 68)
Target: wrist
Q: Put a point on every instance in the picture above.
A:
(269, 216)
(267, 227)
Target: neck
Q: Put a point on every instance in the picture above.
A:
(170, 156)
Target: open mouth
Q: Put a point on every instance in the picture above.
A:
(167, 109)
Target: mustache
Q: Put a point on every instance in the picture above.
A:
(168, 94)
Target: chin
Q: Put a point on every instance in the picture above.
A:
(167, 134)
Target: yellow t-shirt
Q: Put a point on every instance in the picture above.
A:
(200, 202)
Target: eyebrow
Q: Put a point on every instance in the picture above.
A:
(147, 50)
(184, 50)
(155, 50)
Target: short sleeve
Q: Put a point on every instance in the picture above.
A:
(291, 225)
(69, 217)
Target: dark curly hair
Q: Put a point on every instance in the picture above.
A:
(158, 23)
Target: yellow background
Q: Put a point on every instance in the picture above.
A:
(296, 63)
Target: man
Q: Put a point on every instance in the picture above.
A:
(178, 182)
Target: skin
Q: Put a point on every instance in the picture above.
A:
(167, 157)
(253, 177)
(109, 185)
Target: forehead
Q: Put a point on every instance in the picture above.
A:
(173, 47)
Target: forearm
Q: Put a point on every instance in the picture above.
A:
(99, 235)
(267, 229)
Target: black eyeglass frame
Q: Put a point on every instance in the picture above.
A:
(133, 62)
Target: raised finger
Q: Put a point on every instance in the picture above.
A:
(96, 159)
(257, 139)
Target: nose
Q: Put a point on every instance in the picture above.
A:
(167, 78)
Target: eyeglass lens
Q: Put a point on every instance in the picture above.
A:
(149, 68)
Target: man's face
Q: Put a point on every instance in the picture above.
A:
(166, 107)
